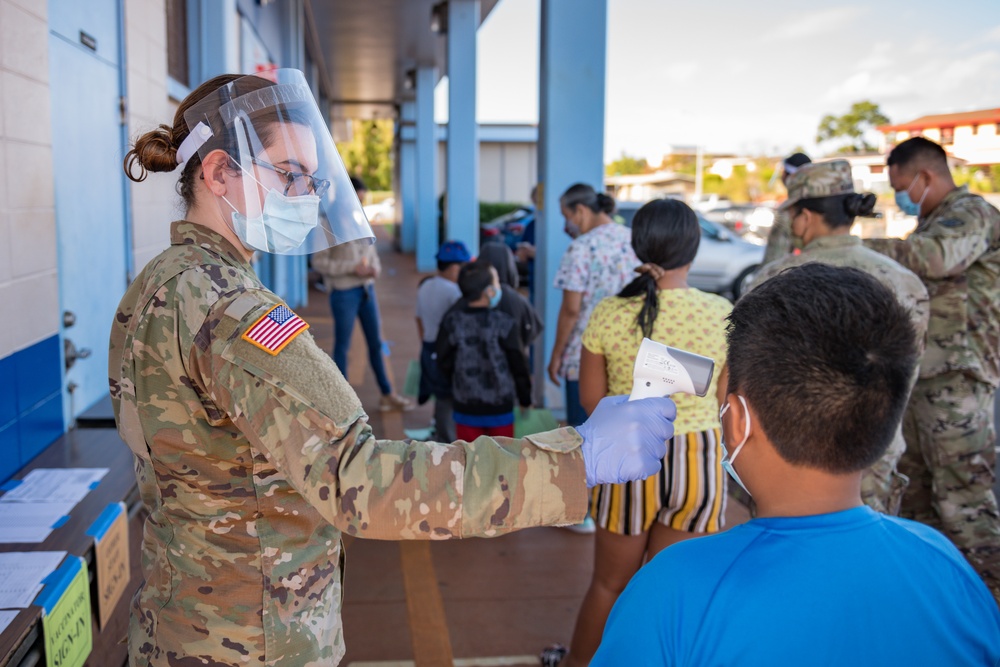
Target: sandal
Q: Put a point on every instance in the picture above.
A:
(552, 655)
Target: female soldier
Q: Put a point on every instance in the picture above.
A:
(822, 205)
(686, 498)
(252, 452)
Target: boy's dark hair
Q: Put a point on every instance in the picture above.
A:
(443, 266)
(826, 356)
(474, 278)
(919, 153)
(665, 232)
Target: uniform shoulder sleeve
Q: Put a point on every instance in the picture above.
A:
(295, 407)
(952, 241)
(572, 273)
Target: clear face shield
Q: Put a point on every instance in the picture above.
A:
(286, 189)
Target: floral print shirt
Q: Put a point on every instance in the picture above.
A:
(598, 264)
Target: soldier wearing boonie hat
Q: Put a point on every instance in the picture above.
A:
(822, 205)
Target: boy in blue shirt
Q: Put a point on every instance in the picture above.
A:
(435, 296)
(820, 360)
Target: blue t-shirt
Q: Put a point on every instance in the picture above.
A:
(852, 588)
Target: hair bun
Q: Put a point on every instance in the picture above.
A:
(862, 203)
(155, 150)
(606, 203)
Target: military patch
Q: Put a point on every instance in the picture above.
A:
(276, 329)
(951, 222)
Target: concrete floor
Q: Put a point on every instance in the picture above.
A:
(465, 602)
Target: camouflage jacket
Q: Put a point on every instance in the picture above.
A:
(956, 252)
(779, 241)
(847, 250)
(253, 463)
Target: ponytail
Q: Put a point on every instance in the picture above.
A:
(644, 285)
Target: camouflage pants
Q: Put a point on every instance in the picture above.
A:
(882, 485)
(951, 460)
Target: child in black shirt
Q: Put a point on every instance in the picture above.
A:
(479, 351)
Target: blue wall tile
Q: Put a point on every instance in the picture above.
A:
(10, 457)
(8, 391)
(37, 373)
(40, 427)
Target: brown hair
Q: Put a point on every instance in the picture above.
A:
(156, 150)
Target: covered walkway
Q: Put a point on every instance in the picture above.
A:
(465, 602)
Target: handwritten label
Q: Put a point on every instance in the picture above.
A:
(67, 628)
(113, 571)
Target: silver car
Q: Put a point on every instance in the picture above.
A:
(725, 263)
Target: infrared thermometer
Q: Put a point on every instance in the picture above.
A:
(661, 371)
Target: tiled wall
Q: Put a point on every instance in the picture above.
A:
(155, 202)
(30, 376)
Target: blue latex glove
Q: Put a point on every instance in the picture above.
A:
(625, 440)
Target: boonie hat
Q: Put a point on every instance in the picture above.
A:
(819, 179)
(453, 251)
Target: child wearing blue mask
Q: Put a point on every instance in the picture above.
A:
(479, 352)
(820, 360)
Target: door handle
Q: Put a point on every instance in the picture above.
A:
(71, 354)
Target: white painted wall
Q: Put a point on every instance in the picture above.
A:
(507, 170)
(155, 202)
(28, 282)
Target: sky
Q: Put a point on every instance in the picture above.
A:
(753, 76)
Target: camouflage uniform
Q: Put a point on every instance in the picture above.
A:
(779, 240)
(252, 464)
(882, 485)
(956, 252)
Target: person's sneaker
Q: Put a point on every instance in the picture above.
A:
(394, 402)
(585, 527)
(552, 655)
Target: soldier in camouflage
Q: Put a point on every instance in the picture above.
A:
(822, 205)
(955, 250)
(780, 241)
(252, 453)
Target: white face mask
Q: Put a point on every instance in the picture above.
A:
(727, 460)
(283, 224)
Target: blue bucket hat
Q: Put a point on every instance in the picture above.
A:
(453, 251)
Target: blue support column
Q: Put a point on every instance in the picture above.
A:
(570, 142)
(463, 137)
(289, 272)
(426, 163)
(218, 39)
(406, 202)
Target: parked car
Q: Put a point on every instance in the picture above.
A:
(725, 263)
(509, 226)
(384, 211)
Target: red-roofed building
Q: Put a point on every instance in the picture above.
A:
(971, 136)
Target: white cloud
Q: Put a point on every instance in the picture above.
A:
(815, 23)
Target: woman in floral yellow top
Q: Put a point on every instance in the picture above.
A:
(687, 497)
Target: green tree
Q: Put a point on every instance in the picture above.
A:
(626, 164)
(852, 127)
(368, 155)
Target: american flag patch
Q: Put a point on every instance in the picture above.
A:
(276, 329)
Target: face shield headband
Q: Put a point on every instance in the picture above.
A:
(291, 194)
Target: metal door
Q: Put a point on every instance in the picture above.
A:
(87, 140)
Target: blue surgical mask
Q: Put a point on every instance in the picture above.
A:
(283, 224)
(906, 204)
(495, 299)
(727, 460)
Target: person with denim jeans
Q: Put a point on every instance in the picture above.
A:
(349, 271)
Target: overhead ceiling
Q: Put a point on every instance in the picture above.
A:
(367, 46)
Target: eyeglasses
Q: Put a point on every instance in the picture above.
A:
(297, 181)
